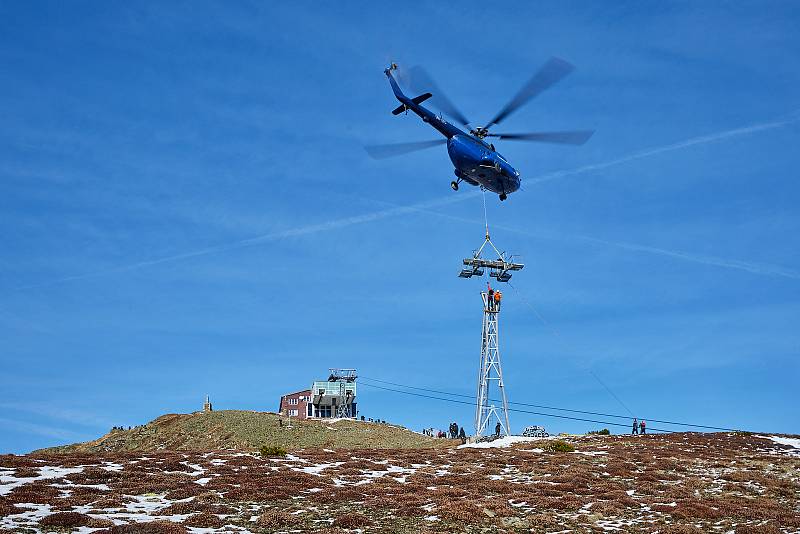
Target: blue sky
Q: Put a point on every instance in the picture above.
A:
(186, 208)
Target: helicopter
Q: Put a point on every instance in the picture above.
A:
(476, 161)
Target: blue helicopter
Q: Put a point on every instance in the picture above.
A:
(476, 161)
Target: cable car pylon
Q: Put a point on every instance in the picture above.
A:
(490, 370)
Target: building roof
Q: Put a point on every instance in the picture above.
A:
(296, 393)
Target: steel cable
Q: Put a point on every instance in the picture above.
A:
(517, 410)
(541, 406)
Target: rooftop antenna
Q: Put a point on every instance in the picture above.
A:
(343, 405)
(490, 371)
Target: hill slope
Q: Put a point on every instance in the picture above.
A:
(244, 430)
(669, 484)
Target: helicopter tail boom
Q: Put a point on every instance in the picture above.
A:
(417, 99)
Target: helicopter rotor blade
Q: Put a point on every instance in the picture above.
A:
(418, 80)
(554, 70)
(576, 137)
(398, 149)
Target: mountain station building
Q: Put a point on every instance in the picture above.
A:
(331, 398)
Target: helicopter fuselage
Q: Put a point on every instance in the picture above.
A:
(476, 162)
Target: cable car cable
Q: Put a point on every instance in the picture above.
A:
(456, 401)
(558, 335)
(601, 414)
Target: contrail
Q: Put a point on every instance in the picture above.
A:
(336, 224)
(701, 140)
(765, 269)
(751, 267)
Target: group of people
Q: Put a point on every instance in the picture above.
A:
(453, 432)
(434, 433)
(457, 432)
(639, 428)
(493, 298)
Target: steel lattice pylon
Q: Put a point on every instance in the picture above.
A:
(490, 371)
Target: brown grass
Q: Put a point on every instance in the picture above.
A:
(758, 529)
(7, 508)
(352, 520)
(276, 519)
(204, 520)
(27, 472)
(680, 529)
(462, 511)
(37, 492)
(65, 520)
(554, 486)
(99, 522)
(13, 461)
(154, 527)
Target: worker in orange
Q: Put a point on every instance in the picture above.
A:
(497, 298)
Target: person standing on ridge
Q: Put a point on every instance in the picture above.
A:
(642, 427)
(462, 435)
(497, 430)
(635, 426)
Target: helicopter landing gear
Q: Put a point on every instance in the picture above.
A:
(503, 196)
(454, 185)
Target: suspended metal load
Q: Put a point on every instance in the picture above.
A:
(468, 273)
(499, 269)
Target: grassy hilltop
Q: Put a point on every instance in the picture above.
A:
(245, 430)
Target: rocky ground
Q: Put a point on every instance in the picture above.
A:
(677, 483)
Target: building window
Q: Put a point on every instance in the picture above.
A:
(293, 413)
(293, 401)
(309, 410)
(324, 411)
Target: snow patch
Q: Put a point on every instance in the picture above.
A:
(27, 517)
(8, 482)
(111, 466)
(791, 442)
(317, 469)
(498, 443)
